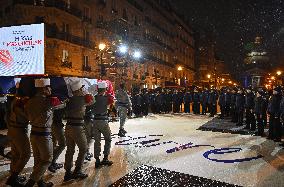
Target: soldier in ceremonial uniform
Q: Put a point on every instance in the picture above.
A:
(240, 102)
(101, 126)
(187, 101)
(75, 130)
(260, 111)
(20, 144)
(212, 100)
(39, 110)
(249, 106)
(233, 111)
(204, 101)
(123, 104)
(222, 103)
(196, 101)
(274, 112)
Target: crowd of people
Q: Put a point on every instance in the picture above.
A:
(87, 116)
(259, 107)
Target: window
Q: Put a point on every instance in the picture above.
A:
(86, 34)
(65, 56)
(135, 21)
(86, 61)
(87, 12)
(66, 28)
(124, 15)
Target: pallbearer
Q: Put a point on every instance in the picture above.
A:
(39, 110)
(20, 144)
(101, 126)
(75, 131)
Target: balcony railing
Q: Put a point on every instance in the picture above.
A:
(59, 4)
(160, 61)
(86, 68)
(159, 42)
(66, 64)
(52, 32)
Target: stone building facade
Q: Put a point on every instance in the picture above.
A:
(74, 30)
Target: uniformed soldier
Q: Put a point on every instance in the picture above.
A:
(249, 106)
(260, 110)
(176, 102)
(145, 102)
(75, 131)
(240, 102)
(233, 112)
(212, 100)
(228, 96)
(222, 103)
(187, 101)
(39, 110)
(274, 112)
(152, 100)
(196, 101)
(123, 104)
(20, 144)
(204, 100)
(101, 125)
(169, 101)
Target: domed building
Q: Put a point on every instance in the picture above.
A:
(256, 65)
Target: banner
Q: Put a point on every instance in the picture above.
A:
(22, 50)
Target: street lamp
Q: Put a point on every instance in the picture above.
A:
(278, 73)
(137, 54)
(123, 49)
(179, 68)
(102, 46)
(208, 76)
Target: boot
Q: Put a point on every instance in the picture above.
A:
(58, 166)
(52, 168)
(123, 131)
(41, 183)
(97, 163)
(14, 181)
(79, 175)
(120, 133)
(106, 161)
(30, 183)
(68, 176)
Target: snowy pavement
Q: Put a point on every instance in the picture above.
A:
(172, 142)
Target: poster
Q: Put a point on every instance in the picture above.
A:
(22, 50)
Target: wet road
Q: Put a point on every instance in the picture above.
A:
(172, 142)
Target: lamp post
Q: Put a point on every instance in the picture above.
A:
(102, 46)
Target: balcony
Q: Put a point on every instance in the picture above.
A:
(86, 68)
(160, 61)
(66, 64)
(158, 41)
(52, 32)
(59, 4)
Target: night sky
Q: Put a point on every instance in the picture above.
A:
(235, 23)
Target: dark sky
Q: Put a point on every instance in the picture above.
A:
(235, 23)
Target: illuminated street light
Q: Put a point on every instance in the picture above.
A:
(223, 79)
(137, 54)
(208, 76)
(102, 46)
(230, 82)
(123, 49)
(273, 78)
(179, 68)
(278, 73)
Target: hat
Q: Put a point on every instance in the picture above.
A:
(76, 85)
(102, 84)
(41, 83)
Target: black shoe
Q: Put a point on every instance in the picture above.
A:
(41, 183)
(21, 179)
(68, 177)
(14, 182)
(123, 131)
(121, 134)
(52, 168)
(88, 158)
(90, 154)
(97, 163)
(79, 175)
(106, 162)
